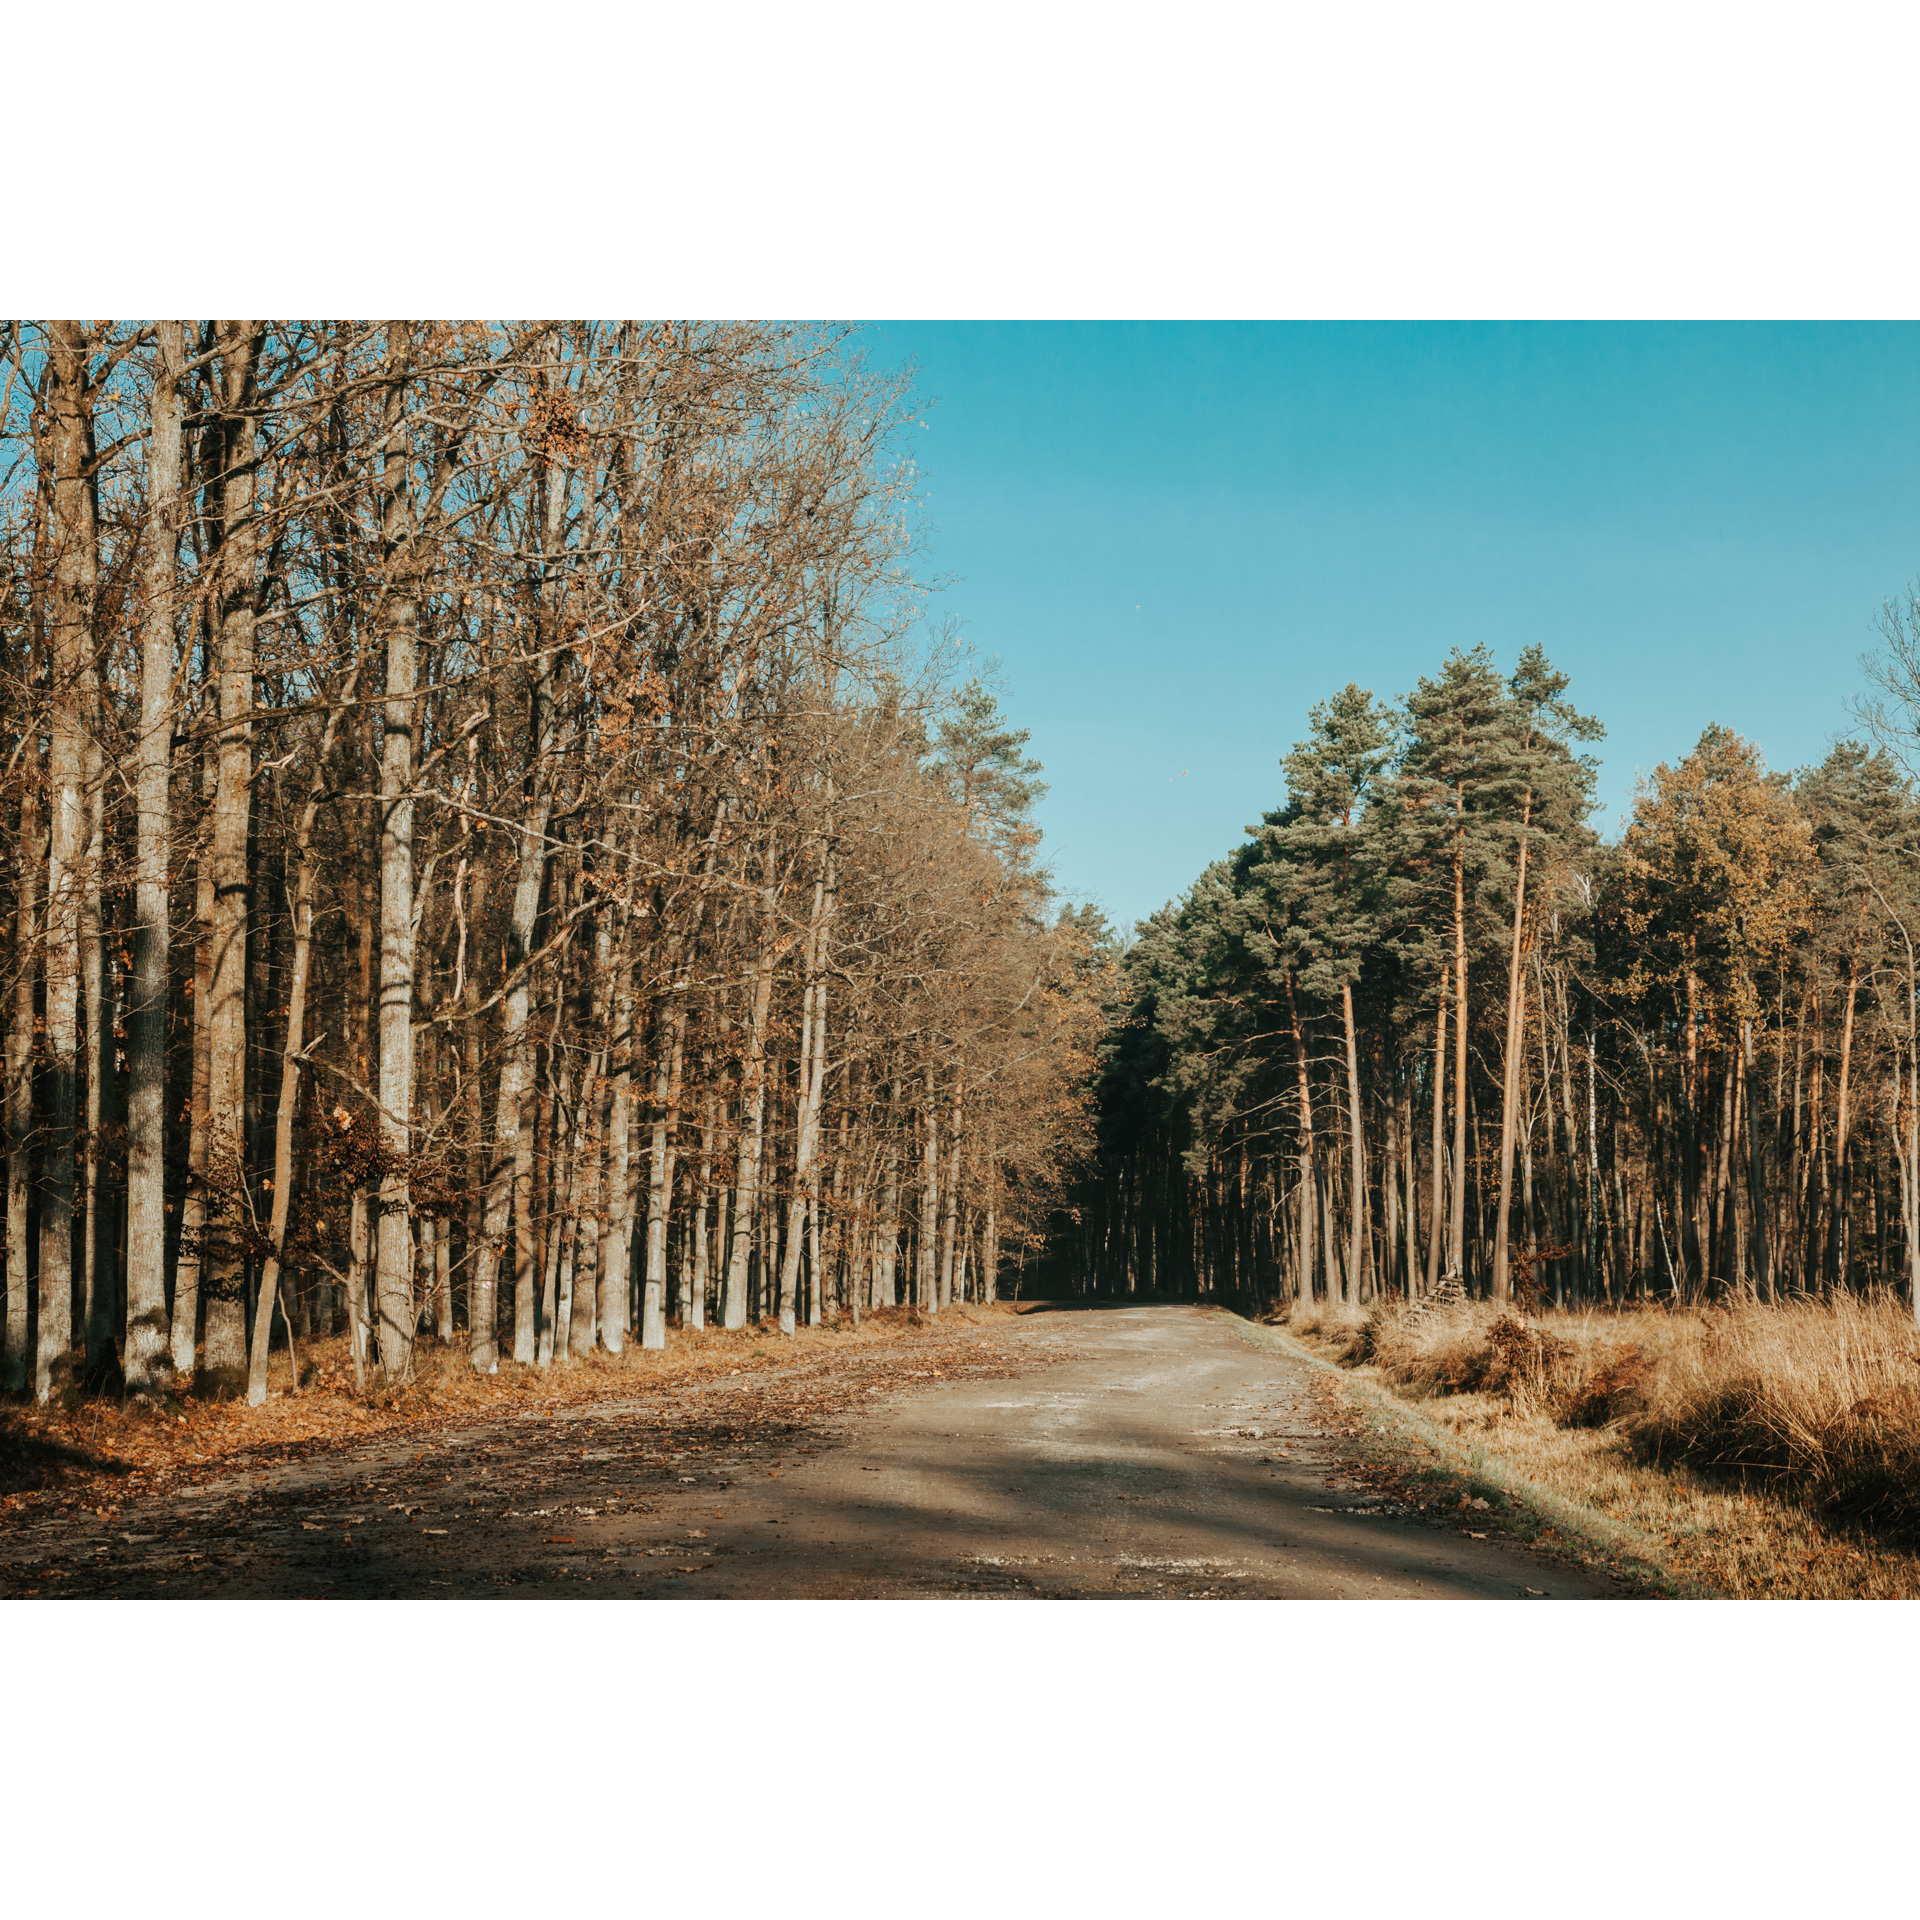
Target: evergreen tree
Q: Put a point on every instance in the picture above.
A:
(1458, 779)
(981, 758)
(1314, 854)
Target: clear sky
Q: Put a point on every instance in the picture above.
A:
(1178, 537)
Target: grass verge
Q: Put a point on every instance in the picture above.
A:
(1426, 1459)
(1757, 1452)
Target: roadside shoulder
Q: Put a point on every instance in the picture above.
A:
(1395, 1437)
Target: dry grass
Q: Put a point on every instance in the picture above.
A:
(1754, 1450)
(107, 1441)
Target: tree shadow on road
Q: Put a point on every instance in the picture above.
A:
(28, 1464)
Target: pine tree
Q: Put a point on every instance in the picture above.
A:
(1315, 854)
(1457, 778)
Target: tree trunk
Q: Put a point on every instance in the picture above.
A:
(193, 1211)
(1436, 1231)
(1357, 1207)
(400, 616)
(146, 1357)
(1309, 1184)
(666, 1132)
(1457, 1218)
(753, 1115)
(290, 1061)
(224, 1358)
(926, 1276)
(1841, 1232)
(75, 581)
(516, 1083)
(1510, 1076)
(616, 1243)
(30, 853)
(813, 1061)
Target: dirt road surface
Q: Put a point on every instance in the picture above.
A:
(1149, 1451)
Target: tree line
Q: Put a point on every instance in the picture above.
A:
(1424, 1031)
(491, 860)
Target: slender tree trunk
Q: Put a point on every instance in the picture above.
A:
(753, 1114)
(477, 1256)
(75, 578)
(400, 616)
(30, 853)
(146, 1356)
(516, 1083)
(526, 1255)
(193, 1211)
(926, 1277)
(696, 1308)
(1457, 1220)
(1309, 1184)
(97, 1276)
(617, 1242)
(1357, 1209)
(224, 1359)
(1436, 1232)
(1841, 1233)
(1510, 1076)
(1762, 1251)
(666, 1133)
(813, 1062)
(887, 1257)
(290, 1061)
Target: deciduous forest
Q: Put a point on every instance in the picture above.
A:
(493, 857)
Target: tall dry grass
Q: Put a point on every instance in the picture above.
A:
(1815, 1401)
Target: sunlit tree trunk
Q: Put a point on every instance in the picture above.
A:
(1437, 1229)
(1309, 1182)
(512, 1144)
(616, 1242)
(666, 1135)
(290, 1063)
(1510, 1067)
(74, 574)
(193, 1211)
(950, 1205)
(926, 1276)
(1457, 1219)
(1840, 1237)
(753, 1113)
(224, 1357)
(1357, 1203)
(146, 1356)
(400, 617)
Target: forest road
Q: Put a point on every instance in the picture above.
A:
(1161, 1455)
(1149, 1451)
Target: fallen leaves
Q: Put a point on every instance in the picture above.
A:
(481, 1429)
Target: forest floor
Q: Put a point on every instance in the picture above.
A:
(1039, 1451)
(1621, 1488)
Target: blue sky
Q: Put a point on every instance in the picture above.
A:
(1177, 538)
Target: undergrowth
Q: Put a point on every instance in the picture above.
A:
(1800, 1420)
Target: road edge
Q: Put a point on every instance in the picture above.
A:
(1518, 1508)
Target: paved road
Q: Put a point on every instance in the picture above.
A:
(1151, 1451)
